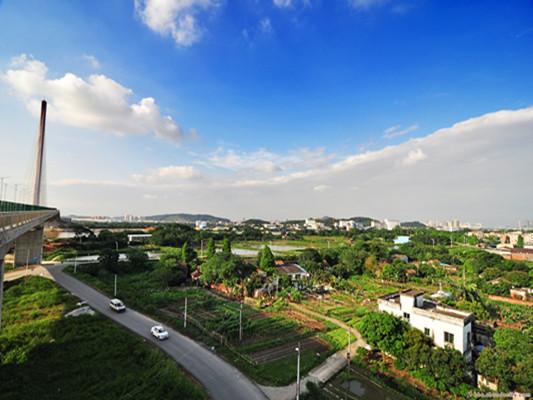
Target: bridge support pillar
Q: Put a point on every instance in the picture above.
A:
(29, 247)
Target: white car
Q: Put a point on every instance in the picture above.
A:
(159, 332)
(117, 305)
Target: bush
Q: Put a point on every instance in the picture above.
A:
(399, 364)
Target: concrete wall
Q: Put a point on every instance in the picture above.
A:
(29, 247)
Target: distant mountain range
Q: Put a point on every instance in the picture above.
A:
(192, 218)
(186, 218)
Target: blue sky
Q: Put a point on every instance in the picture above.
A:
(274, 109)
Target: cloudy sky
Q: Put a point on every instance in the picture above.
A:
(274, 109)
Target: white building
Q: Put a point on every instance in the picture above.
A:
(313, 224)
(446, 326)
(201, 224)
(390, 224)
(346, 225)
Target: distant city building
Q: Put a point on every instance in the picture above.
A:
(454, 225)
(311, 223)
(345, 225)
(390, 224)
(446, 326)
(132, 218)
(377, 225)
(201, 224)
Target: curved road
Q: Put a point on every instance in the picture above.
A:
(221, 380)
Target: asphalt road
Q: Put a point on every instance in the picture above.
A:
(221, 380)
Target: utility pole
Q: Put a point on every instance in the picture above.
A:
(115, 285)
(240, 324)
(27, 259)
(75, 260)
(298, 374)
(349, 346)
(185, 314)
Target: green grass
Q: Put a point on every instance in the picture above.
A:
(44, 355)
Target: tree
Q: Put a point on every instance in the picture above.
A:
(137, 259)
(353, 259)
(418, 352)
(491, 273)
(169, 270)
(211, 249)
(267, 262)
(517, 344)
(226, 246)
(383, 331)
(518, 278)
(520, 241)
(510, 361)
(187, 253)
(473, 240)
(227, 268)
(449, 367)
(495, 363)
(108, 260)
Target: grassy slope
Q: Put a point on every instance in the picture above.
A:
(43, 355)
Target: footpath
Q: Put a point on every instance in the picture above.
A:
(324, 371)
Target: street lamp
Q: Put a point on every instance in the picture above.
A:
(349, 345)
(27, 259)
(298, 374)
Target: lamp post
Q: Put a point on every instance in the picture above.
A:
(185, 314)
(240, 324)
(298, 374)
(349, 346)
(27, 259)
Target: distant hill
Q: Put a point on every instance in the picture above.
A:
(412, 224)
(255, 221)
(187, 218)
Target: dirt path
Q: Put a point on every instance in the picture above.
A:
(512, 301)
(359, 342)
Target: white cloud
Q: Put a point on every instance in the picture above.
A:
(266, 25)
(92, 60)
(282, 3)
(394, 131)
(170, 173)
(150, 196)
(289, 3)
(321, 188)
(98, 103)
(176, 18)
(263, 161)
(414, 156)
(366, 4)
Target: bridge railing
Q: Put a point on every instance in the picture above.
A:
(9, 220)
(9, 206)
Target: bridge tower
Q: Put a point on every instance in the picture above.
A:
(28, 247)
(37, 193)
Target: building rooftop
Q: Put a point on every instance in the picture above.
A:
(429, 305)
(412, 293)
